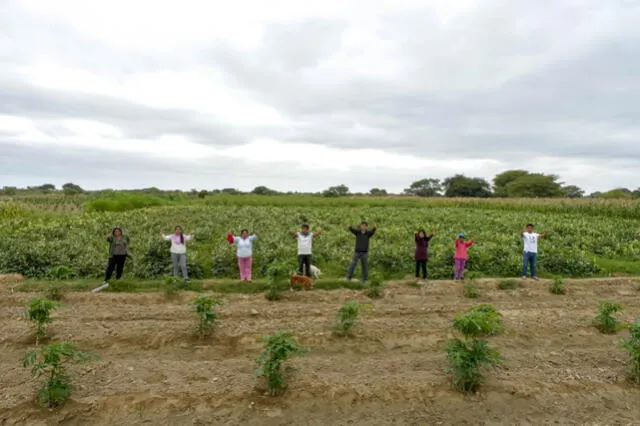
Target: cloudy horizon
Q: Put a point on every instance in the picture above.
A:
(300, 97)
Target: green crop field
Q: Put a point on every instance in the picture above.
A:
(586, 237)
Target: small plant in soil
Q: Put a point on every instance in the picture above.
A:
(469, 356)
(348, 317)
(61, 273)
(509, 284)
(557, 286)
(470, 291)
(376, 285)
(39, 311)
(279, 347)
(49, 362)
(172, 285)
(55, 292)
(276, 274)
(605, 321)
(632, 346)
(207, 317)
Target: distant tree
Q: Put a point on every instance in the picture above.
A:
(535, 185)
(9, 190)
(425, 188)
(636, 193)
(263, 190)
(572, 191)
(202, 194)
(462, 186)
(503, 179)
(618, 193)
(231, 191)
(48, 187)
(595, 194)
(71, 189)
(378, 192)
(336, 191)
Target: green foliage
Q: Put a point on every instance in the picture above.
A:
(510, 284)
(557, 286)
(55, 292)
(121, 286)
(535, 185)
(336, 191)
(425, 188)
(122, 202)
(71, 189)
(348, 317)
(277, 273)
(467, 359)
(172, 285)
(279, 347)
(207, 318)
(605, 321)
(61, 273)
(376, 285)
(39, 311)
(50, 362)
(462, 186)
(471, 291)
(481, 320)
(10, 211)
(632, 346)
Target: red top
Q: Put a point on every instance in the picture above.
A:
(461, 249)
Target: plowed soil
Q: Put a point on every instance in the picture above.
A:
(152, 370)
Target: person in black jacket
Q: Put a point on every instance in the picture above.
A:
(362, 250)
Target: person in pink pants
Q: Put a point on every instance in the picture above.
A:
(461, 256)
(244, 244)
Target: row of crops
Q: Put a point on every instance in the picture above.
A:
(33, 245)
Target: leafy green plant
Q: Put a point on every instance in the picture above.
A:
(468, 356)
(557, 286)
(276, 274)
(49, 361)
(348, 317)
(376, 285)
(605, 321)
(39, 311)
(55, 292)
(279, 347)
(470, 291)
(207, 317)
(61, 273)
(172, 285)
(510, 284)
(632, 345)
(121, 286)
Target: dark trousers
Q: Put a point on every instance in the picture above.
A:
(362, 257)
(529, 260)
(115, 262)
(304, 264)
(421, 265)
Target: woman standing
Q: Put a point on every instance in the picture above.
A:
(422, 252)
(244, 244)
(179, 251)
(118, 251)
(461, 256)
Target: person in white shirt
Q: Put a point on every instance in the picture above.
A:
(530, 253)
(244, 252)
(305, 240)
(179, 251)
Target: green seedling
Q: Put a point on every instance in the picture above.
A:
(55, 292)
(39, 311)
(49, 361)
(348, 317)
(605, 321)
(279, 347)
(509, 284)
(376, 286)
(557, 286)
(207, 317)
(632, 346)
(470, 291)
(276, 274)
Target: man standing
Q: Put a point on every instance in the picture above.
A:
(530, 253)
(362, 249)
(305, 239)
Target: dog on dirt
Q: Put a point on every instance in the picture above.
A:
(315, 272)
(300, 281)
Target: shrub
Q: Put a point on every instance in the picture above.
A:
(207, 318)
(605, 321)
(172, 285)
(481, 320)
(511, 284)
(632, 345)
(279, 347)
(55, 292)
(39, 311)
(470, 291)
(557, 286)
(61, 273)
(376, 285)
(50, 362)
(276, 274)
(348, 317)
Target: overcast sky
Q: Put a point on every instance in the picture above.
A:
(302, 95)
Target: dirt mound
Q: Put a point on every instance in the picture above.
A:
(558, 368)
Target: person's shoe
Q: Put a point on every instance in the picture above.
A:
(534, 278)
(102, 287)
(524, 277)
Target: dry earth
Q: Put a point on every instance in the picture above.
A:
(558, 369)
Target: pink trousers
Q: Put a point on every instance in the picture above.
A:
(244, 263)
(458, 271)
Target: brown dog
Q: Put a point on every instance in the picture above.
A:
(300, 281)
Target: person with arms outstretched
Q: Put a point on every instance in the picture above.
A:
(305, 240)
(363, 235)
(530, 252)
(179, 251)
(244, 252)
(422, 252)
(461, 256)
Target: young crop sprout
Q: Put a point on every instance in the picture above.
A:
(49, 361)
(348, 317)
(510, 284)
(39, 311)
(276, 274)
(376, 285)
(207, 318)
(471, 291)
(279, 347)
(605, 321)
(468, 356)
(632, 345)
(557, 286)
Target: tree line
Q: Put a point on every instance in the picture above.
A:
(511, 183)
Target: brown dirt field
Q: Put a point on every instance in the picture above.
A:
(558, 368)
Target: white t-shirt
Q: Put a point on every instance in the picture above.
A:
(244, 246)
(530, 242)
(304, 243)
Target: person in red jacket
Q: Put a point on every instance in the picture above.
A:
(461, 256)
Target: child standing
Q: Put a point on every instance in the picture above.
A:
(179, 251)
(461, 256)
(244, 243)
(305, 240)
(422, 252)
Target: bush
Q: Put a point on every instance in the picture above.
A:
(557, 286)
(61, 273)
(376, 285)
(276, 275)
(605, 321)
(481, 320)
(279, 347)
(39, 311)
(50, 362)
(632, 345)
(55, 292)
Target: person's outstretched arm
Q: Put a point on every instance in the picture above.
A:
(544, 234)
(470, 243)
(373, 231)
(165, 237)
(352, 229)
(316, 234)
